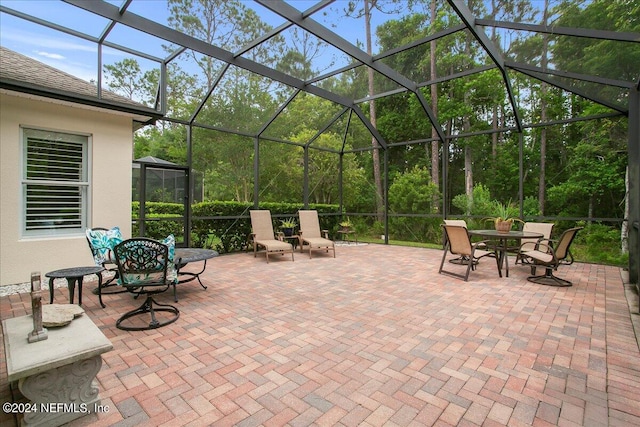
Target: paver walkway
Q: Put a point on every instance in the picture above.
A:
(374, 337)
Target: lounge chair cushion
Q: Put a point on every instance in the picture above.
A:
(275, 245)
(318, 242)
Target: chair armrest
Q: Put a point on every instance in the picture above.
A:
(541, 242)
(325, 233)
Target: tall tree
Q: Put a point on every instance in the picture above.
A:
(505, 10)
(543, 114)
(366, 12)
(435, 142)
(377, 176)
(125, 78)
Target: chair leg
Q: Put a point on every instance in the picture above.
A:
(549, 279)
(444, 256)
(451, 273)
(148, 307)
(469, 268)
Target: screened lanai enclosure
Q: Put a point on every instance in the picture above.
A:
(395, 114)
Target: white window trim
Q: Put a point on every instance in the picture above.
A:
(85, 187)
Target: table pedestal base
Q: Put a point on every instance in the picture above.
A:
(62, 394)
(56, 375)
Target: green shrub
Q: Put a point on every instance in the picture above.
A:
(221, 225)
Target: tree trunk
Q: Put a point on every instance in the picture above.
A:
(543, 118)
(372, 112)
(494, 118)
(435, 170)
(466, 127)
(468, 177)
(624, 230)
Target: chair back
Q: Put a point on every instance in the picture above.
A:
(458, 222)
(562, 247)
(458, 239)
(261, 225)
(544, 228)
(142, 261)
(309, 223)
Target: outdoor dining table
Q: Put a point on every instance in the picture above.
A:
(503, 237)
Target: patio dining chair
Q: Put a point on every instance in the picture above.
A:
(263, 236)
(462, 223)
(550, 254)
(530, 244)
(459, 243)
(146, 268)
(311, 235)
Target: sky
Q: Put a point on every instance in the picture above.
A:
(79, 57)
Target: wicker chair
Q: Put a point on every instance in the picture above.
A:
(263, 236)
(310, 234)
(459, 243)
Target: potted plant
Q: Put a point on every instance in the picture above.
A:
(506, 215)
(345, 225)
(288, 226)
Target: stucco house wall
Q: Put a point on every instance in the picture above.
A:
(110, 159)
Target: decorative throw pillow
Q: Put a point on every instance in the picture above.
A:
(102, 243)
(172, 272)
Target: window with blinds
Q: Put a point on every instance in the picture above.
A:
(55, 182)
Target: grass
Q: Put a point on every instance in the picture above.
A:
(581, 252)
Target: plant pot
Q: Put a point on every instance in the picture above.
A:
(503, 226)
(288, 231)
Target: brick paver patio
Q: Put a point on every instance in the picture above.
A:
(374, 337)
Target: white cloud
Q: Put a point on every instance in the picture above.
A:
(50, 55)
(28, 38)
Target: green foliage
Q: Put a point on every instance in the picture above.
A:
(505, 212)
(222, 225)
(599, 243)
(288, 223)
(412, 192)
(346, 223)
(480, 204)
(123, 77)
(584, 160)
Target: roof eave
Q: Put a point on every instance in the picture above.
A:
(142, 116)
